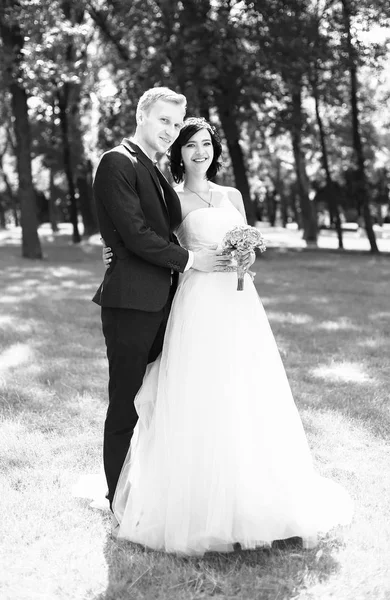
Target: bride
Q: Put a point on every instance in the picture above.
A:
(219, 455)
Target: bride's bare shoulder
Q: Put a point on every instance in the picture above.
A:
(234, 196)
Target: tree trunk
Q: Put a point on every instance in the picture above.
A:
(296, 205)
(204, 104)
(52, 199)
(63, 106)
(115, 37)
(52, 206)
(81, 165)
(69, 105)
(283, 209)
(13, 45)
(308, 211)
(334, 210)
(31, 247)
(3, 224)
(363, 198)
(281, 192)
(13, 198)
(232, 134)
(87, 206)
(271, 207)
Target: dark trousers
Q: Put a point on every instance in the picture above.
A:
(133, 339)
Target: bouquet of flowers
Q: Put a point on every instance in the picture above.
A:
(238, 241)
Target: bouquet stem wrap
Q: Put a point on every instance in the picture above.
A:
(240, 272)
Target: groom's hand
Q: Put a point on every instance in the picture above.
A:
(208, 260)
(107, 254)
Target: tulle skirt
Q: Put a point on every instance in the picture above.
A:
(219, 455)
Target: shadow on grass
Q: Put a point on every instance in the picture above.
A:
(364, 403)
(51, 347)
(262, 574)
(325, 308)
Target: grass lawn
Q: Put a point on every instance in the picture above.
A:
(331, 317)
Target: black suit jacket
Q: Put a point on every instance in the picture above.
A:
(137, 221)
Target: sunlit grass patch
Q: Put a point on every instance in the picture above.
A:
(343, 371)
(338, 325)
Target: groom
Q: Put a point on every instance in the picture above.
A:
(138, 211)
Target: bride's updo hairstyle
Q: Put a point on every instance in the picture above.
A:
(190, 127)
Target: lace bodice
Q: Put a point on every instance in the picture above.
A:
(206, 226)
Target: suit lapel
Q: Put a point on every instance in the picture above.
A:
(171, 199)
(134, 149)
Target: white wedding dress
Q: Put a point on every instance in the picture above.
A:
(219, 454)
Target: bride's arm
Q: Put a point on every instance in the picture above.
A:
(235, 198)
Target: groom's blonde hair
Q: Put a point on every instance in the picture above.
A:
(151, 96)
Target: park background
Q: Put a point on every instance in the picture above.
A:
(300, 92)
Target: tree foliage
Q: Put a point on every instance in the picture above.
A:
(297, 93)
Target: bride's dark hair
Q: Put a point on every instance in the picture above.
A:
(190, 127)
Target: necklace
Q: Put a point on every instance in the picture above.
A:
(208, 202)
